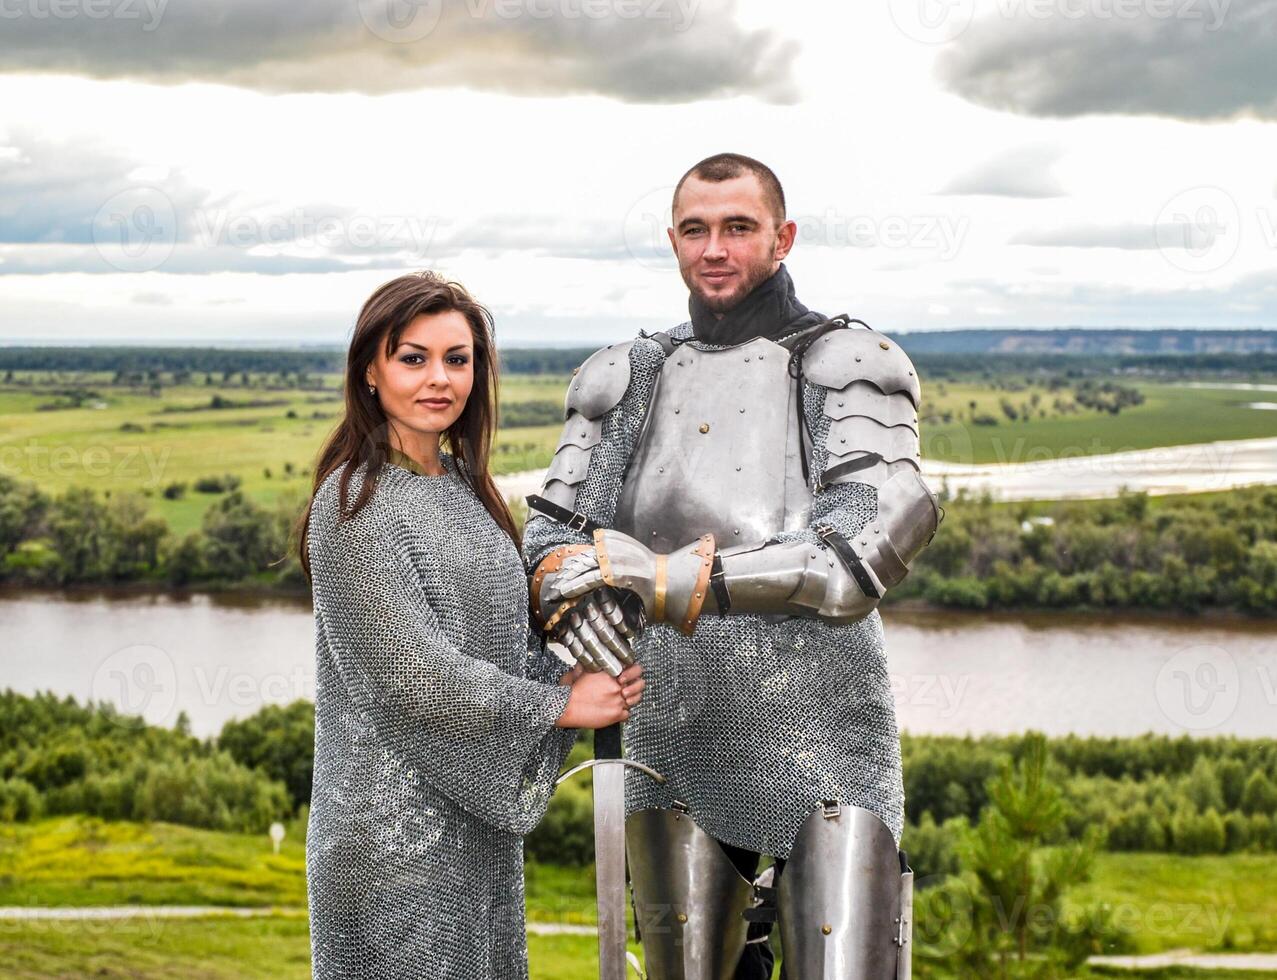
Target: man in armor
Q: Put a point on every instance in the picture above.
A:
(728, 503)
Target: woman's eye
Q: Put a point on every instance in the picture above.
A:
(458, 360)
(411, 359)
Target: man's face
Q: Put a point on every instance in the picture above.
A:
(727, 239)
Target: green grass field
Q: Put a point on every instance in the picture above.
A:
(131, 440)
(1214, 903)
(1170, 415)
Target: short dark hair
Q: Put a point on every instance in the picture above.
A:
(728, 166)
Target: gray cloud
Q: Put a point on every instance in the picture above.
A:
(1131, 236)
(659, 51)
(1190, 59)
(1021, 172)
(89, 209)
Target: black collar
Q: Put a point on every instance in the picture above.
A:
(770, 310)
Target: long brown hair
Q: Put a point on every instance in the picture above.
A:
(360, 437)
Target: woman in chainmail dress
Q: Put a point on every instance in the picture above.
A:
(439, 728)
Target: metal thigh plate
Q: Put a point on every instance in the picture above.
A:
(719, 453)
(688, 897)
(840, 898)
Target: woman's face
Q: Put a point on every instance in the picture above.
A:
(424, 382)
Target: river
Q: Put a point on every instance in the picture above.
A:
(218, 657)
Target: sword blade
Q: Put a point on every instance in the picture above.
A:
(609, 867)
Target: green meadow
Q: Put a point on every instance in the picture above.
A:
(1213, 903)
(145, 440)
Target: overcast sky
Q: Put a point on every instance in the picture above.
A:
(241, 170)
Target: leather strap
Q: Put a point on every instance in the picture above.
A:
(719, 584)
(706, 552)
(661, 584)
(573, 519)
(851, 561)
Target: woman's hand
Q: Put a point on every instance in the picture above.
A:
(598, 700)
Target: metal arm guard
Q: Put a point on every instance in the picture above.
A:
(845, 581)
(596, 388)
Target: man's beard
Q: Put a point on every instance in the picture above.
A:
(752, 276)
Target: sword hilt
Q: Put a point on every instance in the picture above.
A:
(607, 742)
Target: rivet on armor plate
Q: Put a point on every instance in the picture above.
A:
(884, 345)
(659, 469)
(742, 411)
(736, 530)
(826, 928)
(682, 917)
(840, 405)
(747, 360)
(857, 360)
(704, 427)
(610, 363)
(738, 469)
(676, 411)
(576, 371)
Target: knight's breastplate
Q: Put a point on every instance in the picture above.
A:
(719, 451)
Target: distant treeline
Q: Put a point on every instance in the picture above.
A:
(1151, 793)
(1183, 554)
(147, 362)
(1131, 552)
(935, 359)
(975, 366)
